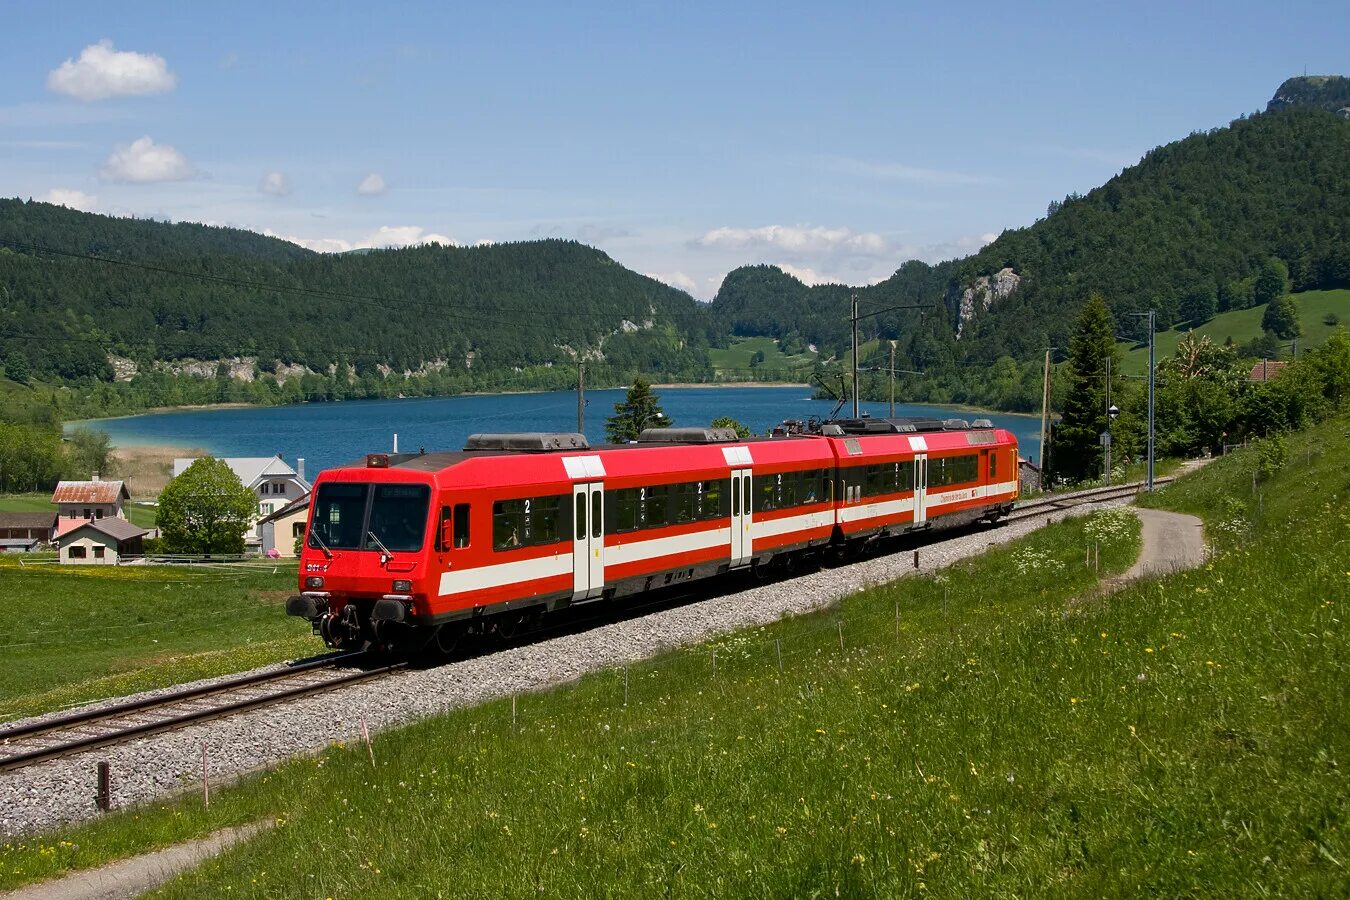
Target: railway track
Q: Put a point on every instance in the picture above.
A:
(78, 732)
(1044, 505)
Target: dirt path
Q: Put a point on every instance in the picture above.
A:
(1172, 542)
(133, 877)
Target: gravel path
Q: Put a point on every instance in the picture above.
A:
(1172, 542)
(44, 796)
(133, 877)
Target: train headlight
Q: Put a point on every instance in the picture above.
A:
(314, 582)
(402, 586)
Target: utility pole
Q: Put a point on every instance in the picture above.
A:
(1108, 422)
(892, 413)
(854, 299)
(581, 396)
(1045, 412)
(1151, 334)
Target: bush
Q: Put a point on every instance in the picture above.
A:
(1331, 319)
(1271, 455)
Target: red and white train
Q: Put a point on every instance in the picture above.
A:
(413, 547)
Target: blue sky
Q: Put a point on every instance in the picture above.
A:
(836, 140)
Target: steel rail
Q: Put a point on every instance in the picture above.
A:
(121, 734)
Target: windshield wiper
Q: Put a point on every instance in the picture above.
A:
(385, 555)
(322, 546)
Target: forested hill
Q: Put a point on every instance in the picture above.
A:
(1193, 218)
(493, 309)
(1326, 92)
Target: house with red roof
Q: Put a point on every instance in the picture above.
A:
(78, 502)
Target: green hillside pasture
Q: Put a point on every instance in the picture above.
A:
(1245, 324)
(80, 633)
(144, 516)
(733, 363)
(1015, 735)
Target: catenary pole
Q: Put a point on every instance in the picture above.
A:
(1151, 378)
(1108, 422)
(581, 397)
(892, 413)
(854, 300)
(1045, 412)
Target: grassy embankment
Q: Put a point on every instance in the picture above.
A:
(1243, 325)
(1186, 735)
(80, 633)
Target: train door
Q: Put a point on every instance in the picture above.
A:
(588, 540)
(741, 540)
(920, 488)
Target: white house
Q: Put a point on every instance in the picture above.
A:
(100, 541)
(270, 477)
(78, 502)
(281, 529)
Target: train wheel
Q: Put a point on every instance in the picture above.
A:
(447, 638)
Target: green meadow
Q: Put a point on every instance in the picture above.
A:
(1245, 324)
(81, 633)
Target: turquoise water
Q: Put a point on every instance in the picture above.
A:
(328, 434)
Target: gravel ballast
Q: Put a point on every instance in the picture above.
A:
(41, 797)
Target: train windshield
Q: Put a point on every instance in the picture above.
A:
(370, 517)
(398, 517)
(339, 513)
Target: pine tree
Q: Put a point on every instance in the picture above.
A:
(1077, 452)
(640, 409)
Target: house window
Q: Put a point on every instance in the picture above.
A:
(76, 552)
(279, 487)
(263, 488)
(298, 530)
(88, 513)
(99, 551)
(98, 513)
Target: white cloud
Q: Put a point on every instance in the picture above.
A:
(900, 172)
(143, 161)
(71, 198)
(797, 239)
(102, 72)
(275, 184)
(804, 274)
(676, 280)
(387, 236)
(372, 185)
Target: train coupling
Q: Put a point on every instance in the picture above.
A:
(308, 605)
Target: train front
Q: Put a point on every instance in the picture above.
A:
(364, 565)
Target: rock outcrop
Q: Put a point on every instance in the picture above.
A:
(985, 291)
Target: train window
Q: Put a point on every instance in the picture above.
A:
(769, 489)
(745, 494)
(580, 533)
(529, 522)
(461, 525)
(597, 514)
(684, 501)
(952, 470)
(993, 465)
(398, 517)
(735, 496)
(623, 510)
(654, 506)
(339, 512)
(713, 498)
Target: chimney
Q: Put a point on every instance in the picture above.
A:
(94, 477)
(300, 467)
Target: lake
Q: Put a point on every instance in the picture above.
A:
(328, 434)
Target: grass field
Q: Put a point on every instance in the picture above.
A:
(79, 633)
(1245, 324)
(1014, 735)
(733, 363)
(144, 516)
